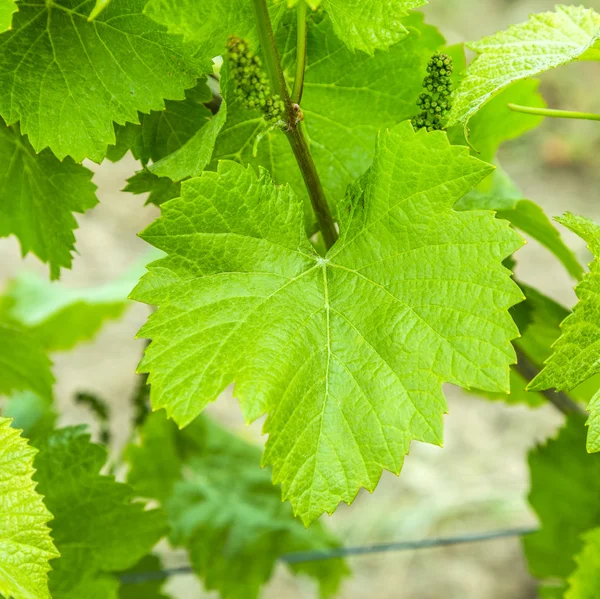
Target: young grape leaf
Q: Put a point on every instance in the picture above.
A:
(26, 546)
(7, 9)
(545, 41)
(503, 196)
(565, 494)
(101, 71)
(97, 527)
(191, 158)
(61, 317)
(348, 97)
(347, 353)
(223, 508)
(583, 583)
(576, 353)
(23, 362)
(38, 199)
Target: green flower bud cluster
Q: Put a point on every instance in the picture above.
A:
(434, 101)
(251, 82)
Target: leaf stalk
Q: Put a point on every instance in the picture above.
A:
(554, 113)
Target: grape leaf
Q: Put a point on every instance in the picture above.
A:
(191, 158)
(506, 199)
(585, 580)
(347, 99)
(97, 528)
(25, 543)
(369, 25)
(576, 352)
(61, 317)
(100, 71)
(495, 123)
(565, 494)
(160, 189)
(346, 387)
(23, 362)
(38, 199)
(545, 41)
(224, 509)
(162, 132)
(209, 24)
(7, 9)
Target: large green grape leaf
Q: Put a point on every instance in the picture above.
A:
(501, 194)
(87, 74)
(576, 353)
(565, 494)
(7, 9)
(61, 317)
(347, 99)
(25, 543)
(38, 197)
(545, 41)
(97, 527)
(222, 506)
(585, 580)
(347, 353)
(24, 364)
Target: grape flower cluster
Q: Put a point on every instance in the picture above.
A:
(251, 82)
(434, 102)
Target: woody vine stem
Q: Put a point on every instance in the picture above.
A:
(293, 129)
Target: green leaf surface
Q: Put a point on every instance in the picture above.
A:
(25, 543)
(565, 494)
(162, 132)
(223, 508)
(369, 25)
(61, 317)
(347, 353)
(348, 97)
(87, 74)
(38, 198)
(191, 158)
(576, 352)
(503, 196)
(209, 24)
(585, 581)
(24, 364)
(97, 527)
(159, 189)
(7, 9)
(547, 40)
(496, 124)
